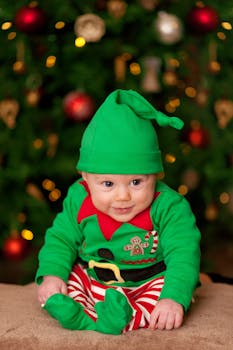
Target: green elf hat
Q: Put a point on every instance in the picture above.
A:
(121, 139)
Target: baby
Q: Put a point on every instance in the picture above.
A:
(124, 252)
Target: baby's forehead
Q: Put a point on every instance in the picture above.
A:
(121, 177)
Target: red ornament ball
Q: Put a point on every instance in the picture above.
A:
(78, 106)
(198, 137)
(30, 20)
(14, 248)
(203, 19)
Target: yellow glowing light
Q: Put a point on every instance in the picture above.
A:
(80, 41)
(224, 198)
(50, 61)
(211, 212)
(221, 35)
(185, 148)
(38, 143)
(48, 185)
(190, 91)
(55, 195)
(11, 35)
(135, 68)
(33, 4)
(195, 124)
(22, 217)
(60, 25)
(170, 158)
(160, 175)
(227, 25)
(215, 66)
(175, 102)
(19, 67)
(27, 234)
(6, 25)
(169, 108)
(183, 190)
(173, 62)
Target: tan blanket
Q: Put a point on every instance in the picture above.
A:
(24, 325)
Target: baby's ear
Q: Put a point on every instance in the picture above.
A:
(84, 175)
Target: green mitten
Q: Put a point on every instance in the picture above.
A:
(114, 313)
(68, 312)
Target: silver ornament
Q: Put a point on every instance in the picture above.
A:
(168, 27)
(91, 27)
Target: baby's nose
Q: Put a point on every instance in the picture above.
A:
(123, 193)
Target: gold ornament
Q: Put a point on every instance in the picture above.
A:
(120, 66)
(53, 142)
(230, 203)
(150, 81)
(116, 8)
(33, 97)
(149, 5)
(89, 26)
(211, 212)
(214, 66)
(34, 191)
(9, 109)
(168, 28)
(202, 97)
(170, 78)
(224, 111)
(19, 65)
(191, 178)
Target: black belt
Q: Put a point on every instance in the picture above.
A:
(134, 275)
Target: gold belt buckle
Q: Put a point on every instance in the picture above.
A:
(115, 269)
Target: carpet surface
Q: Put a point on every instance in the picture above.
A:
(24, 325)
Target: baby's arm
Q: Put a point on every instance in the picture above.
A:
(167, 314)
(50, 285)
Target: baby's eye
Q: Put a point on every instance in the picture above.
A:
(136, 182)
(108, 183)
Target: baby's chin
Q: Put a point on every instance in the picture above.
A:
(122, 215)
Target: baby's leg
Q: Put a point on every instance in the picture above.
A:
(90, 305)
(113, 314)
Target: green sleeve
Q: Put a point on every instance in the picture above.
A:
(62, 239)
(179, 240)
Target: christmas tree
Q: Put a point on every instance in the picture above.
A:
(59, 61)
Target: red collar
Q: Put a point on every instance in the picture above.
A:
(107, 224)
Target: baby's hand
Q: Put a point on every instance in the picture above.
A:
(50, 285)
(167, 314)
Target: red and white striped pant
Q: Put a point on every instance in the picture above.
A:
(87, 291)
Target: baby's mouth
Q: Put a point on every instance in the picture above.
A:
(123, 210)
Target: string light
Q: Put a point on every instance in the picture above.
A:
(135, 68)
(11, 35)
(48, 185)
(50, 61)
(6, 25)
(224, 198)
(27, 234)
(211, 212)
(221, 35)
(60, 25)
(170, 158)
(80, 41)
(183, 190)
(226, 25)
(55, 195)
(173, 62)
(185, 148)
(38, 143)
(21, 217)
(190, 92)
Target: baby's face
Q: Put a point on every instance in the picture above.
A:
(121, 197)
